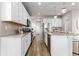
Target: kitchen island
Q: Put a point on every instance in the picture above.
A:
(15, 45)
(60, 44)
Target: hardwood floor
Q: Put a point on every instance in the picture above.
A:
(38, 48)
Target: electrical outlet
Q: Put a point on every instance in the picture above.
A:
(6, 27)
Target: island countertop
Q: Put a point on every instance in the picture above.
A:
(61, 33)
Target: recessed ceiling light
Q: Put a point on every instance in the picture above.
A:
(55, 16)
(64, 10)
(73, 3)
(39, 3)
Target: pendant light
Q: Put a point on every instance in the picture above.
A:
(64, 9)
(55, 16)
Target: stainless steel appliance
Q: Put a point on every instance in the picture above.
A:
(76, 46)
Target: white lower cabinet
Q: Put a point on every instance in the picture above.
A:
(61, 45)
(26, 41)
(23, 41)
(45, 39)
(10, 46)
(15, 46)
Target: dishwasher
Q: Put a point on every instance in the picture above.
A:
(75, 47)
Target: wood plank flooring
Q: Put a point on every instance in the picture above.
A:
(38, 48)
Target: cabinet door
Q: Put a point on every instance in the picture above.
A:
(70, 45)
(3, 47)
(14, 46)
(14, 11)
(20, 12)
(26, 44)
(5, 11)
(24, 15)
(23, 46)
(56, 22)
(0, 10)
(10, 46)
(60, 46)
(28, 41)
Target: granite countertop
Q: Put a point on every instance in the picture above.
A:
(16, 35)
(62, 33)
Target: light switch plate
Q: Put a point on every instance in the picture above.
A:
(6, 27)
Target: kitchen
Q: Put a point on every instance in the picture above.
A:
(27, 24)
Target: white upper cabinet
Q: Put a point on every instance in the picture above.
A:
(57, 22)
(13, 11)
(20, 11)
(24, 15)
(5, 11)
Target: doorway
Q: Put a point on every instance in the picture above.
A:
(39, 28)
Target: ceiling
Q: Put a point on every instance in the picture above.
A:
(48, 8)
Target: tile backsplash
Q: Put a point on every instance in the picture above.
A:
(8, 28)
